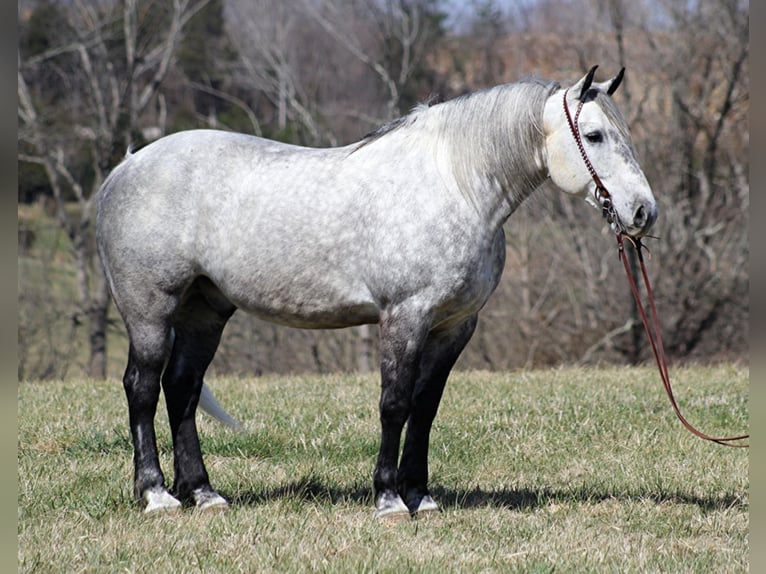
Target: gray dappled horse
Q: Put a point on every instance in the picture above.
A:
(403, 228)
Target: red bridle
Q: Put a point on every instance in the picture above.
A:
(653, 332)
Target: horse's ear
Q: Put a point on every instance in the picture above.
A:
(581, 87)
(614, 83)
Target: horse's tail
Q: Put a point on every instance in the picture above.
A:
(211, 406)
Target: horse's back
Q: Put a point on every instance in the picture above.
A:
(243, 212)
(183, 185)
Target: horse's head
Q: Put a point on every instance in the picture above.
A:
(614, 181)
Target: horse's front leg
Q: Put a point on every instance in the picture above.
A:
(440, 353)
(403, 331)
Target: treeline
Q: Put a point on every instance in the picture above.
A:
(97, 77)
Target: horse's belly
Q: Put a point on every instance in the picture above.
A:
(330, 317)
(317, 304)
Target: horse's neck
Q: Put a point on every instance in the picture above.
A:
(495, 202)
(497, 161)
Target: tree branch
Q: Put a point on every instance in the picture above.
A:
(241, 104)
(181, 15)
(359, 54)
(605, 341)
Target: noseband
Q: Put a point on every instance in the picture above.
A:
(652, 332)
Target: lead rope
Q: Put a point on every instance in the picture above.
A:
(652, 332)
(655, 339)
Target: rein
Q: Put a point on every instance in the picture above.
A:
(653, 330)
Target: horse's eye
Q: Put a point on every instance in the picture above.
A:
(594, 137)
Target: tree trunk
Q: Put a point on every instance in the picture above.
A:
(636, 328)
(97, 338)
(98, 317)
(364, 349)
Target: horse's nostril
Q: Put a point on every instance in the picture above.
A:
(644, 217)
(639, 218)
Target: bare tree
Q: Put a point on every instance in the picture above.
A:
(400, 31)
(117, 61)
(274, 62)
(321, 72)
(488, 29)
(705, 70)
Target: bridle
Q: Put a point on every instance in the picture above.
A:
(652, 332)
(603, 197)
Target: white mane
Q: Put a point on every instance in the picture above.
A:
(487, 134)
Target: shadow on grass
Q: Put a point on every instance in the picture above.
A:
(311, 489)
(527, 499)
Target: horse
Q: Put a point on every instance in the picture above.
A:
(403, 229)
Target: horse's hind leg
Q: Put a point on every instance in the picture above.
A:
(146, 357)
(440, 353)
(197, 329)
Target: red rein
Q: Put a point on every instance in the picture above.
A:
(655, 339)
(653, 331)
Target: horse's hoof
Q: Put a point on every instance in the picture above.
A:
(422, 504)
(426, 507)
(391, 509)
(158, 500)
(209, 500)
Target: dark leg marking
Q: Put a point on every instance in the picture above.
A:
(197, 326)
(402, 334)
(142, 388)
(439, 356)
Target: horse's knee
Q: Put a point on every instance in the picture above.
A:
(395, 403)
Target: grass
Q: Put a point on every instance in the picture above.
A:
(571, 470)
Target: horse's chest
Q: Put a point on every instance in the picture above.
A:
(463, 284)
(476, 281)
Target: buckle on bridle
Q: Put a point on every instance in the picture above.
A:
(607, 209)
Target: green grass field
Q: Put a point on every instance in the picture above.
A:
(570, 470)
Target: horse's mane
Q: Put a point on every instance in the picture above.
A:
(500, 124)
